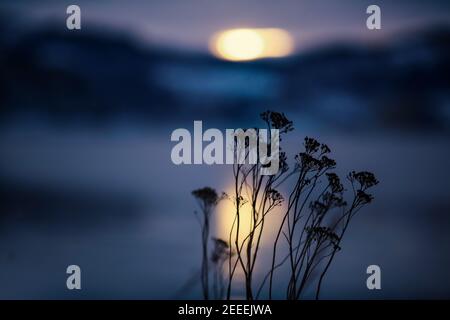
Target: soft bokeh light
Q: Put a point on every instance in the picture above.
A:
(251, 44)
(226, 216)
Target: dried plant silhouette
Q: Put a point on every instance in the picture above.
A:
(207, 199)
(314, 219)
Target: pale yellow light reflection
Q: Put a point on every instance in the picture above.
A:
(251, 44)
(226, 215)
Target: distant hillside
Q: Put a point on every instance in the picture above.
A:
(97, 76)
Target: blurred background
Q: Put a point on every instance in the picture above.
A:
(86, 116)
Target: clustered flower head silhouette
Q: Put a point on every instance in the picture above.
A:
(314, 220)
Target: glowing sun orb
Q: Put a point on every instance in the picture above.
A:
(251, 44)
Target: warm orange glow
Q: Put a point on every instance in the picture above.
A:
(251, 44)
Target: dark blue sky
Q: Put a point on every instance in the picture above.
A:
(190, 23)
